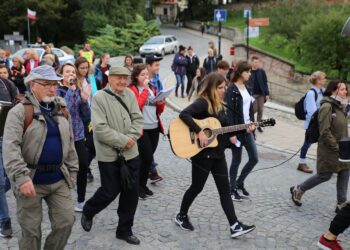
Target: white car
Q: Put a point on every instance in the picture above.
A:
(63, 57)
(159, 45)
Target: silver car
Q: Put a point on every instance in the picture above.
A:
(159, 45)
(63, 57)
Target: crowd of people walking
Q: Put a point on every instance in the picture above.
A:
(62, 117)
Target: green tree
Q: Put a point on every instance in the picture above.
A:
(14, 16)
(288, 16)
(117, 13)
(321, 45)
(120, 41)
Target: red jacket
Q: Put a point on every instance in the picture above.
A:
(27, 65)
(142, 99)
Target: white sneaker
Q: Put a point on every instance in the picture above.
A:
(79, 207)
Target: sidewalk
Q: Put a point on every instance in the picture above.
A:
(286, 136)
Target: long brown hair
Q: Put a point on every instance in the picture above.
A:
(201, 77)
(135, 73)
(80, 60)
(126, 57)
(209, 92)
(241, 67)
(102, 57)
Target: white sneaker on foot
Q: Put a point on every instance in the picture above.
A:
(79, 207)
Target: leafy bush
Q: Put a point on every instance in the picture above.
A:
(120, 41)
(321, 44)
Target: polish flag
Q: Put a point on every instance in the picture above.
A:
(31, 14)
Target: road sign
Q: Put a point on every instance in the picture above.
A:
(253, 32)
(247, 13)
(259, 22)
(220, 15)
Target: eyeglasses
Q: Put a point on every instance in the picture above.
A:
(47, 85)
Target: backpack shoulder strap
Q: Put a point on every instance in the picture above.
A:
(316, 95)
(28, 115)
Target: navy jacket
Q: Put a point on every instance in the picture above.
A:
(258, 83)
(209, 64)
(179, 64)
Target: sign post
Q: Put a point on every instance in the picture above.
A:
(220, 15)
(247, 14)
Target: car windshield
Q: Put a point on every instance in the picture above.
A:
(155, 40)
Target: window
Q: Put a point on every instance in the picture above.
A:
(58, 53)
(165, 11)
(174, 38)
(168, 40)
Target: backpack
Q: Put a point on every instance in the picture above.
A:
(30, 115)
(312, 133)
(299, 109)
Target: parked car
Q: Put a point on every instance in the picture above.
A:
(159, 45)
(63, 57)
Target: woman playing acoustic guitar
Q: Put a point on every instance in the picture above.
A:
(209, 104)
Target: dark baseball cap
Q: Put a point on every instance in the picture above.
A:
(137, 60)
(153, 58)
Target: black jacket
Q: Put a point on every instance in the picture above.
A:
(193, 65)
(258, 83)
(210, 64)
(234, 102)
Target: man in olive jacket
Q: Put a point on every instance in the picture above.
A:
(116, 128)
(40, 161)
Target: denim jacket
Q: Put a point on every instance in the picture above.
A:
(79, 111)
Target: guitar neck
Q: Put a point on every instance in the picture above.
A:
(233, 128)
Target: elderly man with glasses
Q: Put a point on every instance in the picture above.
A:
(40, 160)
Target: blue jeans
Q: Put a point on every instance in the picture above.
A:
(4, 184)
(304, 149)
(180, 80)
(248, 142)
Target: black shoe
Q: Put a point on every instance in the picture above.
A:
(6, 229)
(176, 95)
(148, 192)
(182, 96)
(243, 190)
(239, 229)
(132, 239)
(183, 222)
(260, 129)
(235, 196)
(86, 223)
(90, 177)
(142, 194)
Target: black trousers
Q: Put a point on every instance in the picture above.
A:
(147, 145)
(201, 167)
(341, 221)
(90, 147)
(83, 168)
(190, 77)
(109, 190)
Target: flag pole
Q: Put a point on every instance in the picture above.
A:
(28, 31)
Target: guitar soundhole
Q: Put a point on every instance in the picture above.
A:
(208, 133)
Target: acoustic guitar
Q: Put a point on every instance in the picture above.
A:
(185, 143)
